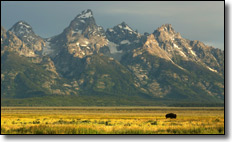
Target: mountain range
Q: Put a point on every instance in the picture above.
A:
(88, 66)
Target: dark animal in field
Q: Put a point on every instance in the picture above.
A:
(170, 115)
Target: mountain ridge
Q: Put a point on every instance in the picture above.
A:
(87, 61)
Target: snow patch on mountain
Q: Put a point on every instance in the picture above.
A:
(176, 46)
(47, 49)
(182, 54)
(83, 45)
(125, 42)
(111, 30)
(128, 28)
(212, 69)
(82, 21)
(113, 48)
(78, 32)
(86, 14)
(136, 41)
(193, 53)
(23, 24)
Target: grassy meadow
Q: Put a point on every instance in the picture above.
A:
(111, 120)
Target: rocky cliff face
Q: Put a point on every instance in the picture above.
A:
(82, 37)
(86, 60)
(22, 39)
(26, 34)
(187, 61)
(122, 39)
(10, 41)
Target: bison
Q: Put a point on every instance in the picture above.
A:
(170, 115)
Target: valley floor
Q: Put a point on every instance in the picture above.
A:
(111, 120)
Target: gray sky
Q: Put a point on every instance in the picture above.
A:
(202, 21)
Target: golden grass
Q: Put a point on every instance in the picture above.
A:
(111, 120)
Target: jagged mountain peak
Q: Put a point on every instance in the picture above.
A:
(24, 31)
(122, 32)
(84, 24)
(83, 36)
(84, 18)
(85, 14)
(21, 27)
(167, 28)
(123, 24)
(166, 33)
(31, 43)
(23, 23)
(124, 27)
